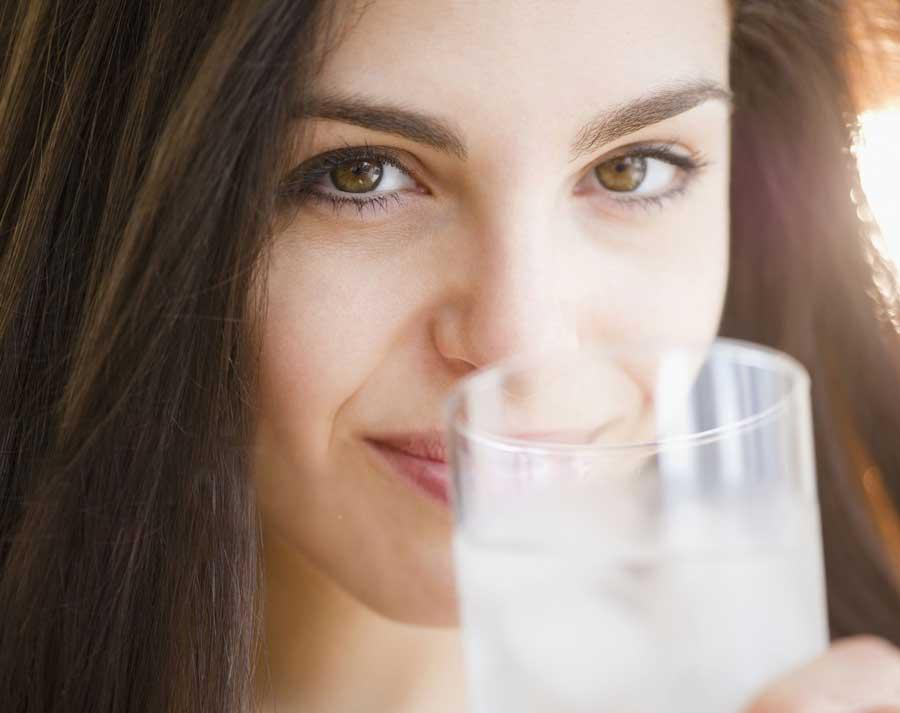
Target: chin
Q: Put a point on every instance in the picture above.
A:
(416, 604)
(446, 617)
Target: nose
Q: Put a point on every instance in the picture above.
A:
(514, 298)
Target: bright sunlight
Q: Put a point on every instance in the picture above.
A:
(878, 154)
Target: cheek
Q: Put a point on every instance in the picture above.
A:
(684, 295)
(667, 283)
(673, 288)
(327, 328)
(333, 323)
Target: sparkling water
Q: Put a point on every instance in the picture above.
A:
(590, 625)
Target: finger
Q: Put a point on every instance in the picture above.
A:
(858, 675)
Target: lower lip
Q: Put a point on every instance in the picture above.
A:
(428, 476)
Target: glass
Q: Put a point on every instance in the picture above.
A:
(636, 528)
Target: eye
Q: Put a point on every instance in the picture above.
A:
(358, 177)
(643, 175)
(635, 173)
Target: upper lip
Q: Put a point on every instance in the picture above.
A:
(429, 445)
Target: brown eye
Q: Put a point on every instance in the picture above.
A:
(359, 176)
(623, 174)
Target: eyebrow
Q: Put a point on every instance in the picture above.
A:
(391, 119)
(609, 125)
(645, 111)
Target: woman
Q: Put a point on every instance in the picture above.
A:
(248, 248)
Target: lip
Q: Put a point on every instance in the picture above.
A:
(420, 459)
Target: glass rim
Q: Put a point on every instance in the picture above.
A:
(744, 351)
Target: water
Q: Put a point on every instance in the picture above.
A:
(580, 629)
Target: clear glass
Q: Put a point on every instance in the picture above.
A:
(636, 528)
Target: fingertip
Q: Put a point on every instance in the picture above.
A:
(865, 646)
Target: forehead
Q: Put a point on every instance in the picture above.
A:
(527, 57)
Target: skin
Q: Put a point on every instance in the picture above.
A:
(374, 314)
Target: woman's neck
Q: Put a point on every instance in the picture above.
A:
(326, 652)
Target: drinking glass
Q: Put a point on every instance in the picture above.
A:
(636, 528)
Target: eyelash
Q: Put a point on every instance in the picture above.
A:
(299, 186)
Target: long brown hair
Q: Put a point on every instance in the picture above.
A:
(807, 275)
(140, 149)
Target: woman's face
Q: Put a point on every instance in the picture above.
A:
(478, 178)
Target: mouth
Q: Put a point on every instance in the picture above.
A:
(419, 459)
